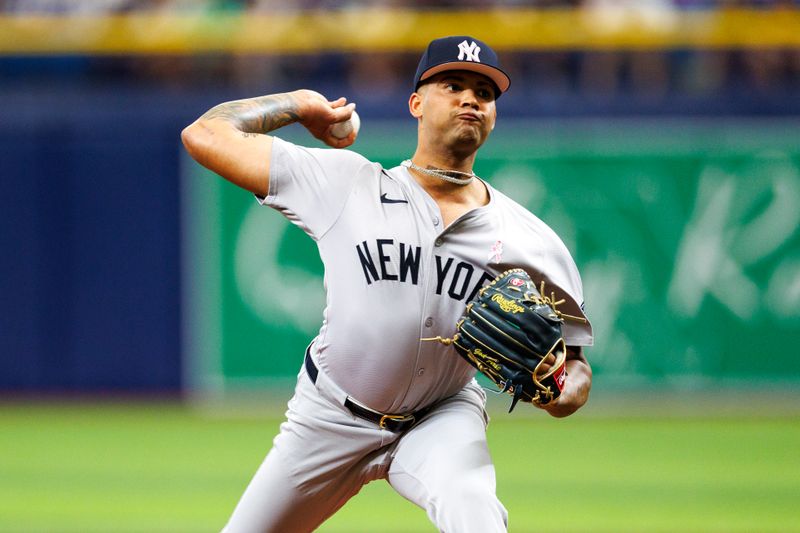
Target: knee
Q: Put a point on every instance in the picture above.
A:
(469, 507)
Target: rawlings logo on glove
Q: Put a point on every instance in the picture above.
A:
(508, 331)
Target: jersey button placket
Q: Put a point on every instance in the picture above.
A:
(429, 320)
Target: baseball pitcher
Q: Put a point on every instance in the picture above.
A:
(431, 275)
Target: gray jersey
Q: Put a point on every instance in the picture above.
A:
(394, 274)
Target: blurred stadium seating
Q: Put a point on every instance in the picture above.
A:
(595, 57)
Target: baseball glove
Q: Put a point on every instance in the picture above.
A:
(507, 331)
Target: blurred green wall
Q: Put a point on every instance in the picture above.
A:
(686, 235)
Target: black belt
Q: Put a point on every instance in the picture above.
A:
(394, 423)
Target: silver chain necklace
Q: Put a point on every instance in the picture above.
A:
(442, 174)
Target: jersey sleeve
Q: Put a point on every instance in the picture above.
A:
(547, 258)
(568, 278)
(310, 186)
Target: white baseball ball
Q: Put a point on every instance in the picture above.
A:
(340, 130)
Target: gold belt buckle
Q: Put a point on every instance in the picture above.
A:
(399, 418)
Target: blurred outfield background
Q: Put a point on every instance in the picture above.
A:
(143, 364)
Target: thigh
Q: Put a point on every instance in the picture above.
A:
(320, 459)
(450, 442)
(444, 466)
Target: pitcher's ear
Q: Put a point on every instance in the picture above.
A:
(415, 105)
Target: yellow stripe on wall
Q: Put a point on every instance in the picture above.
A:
(395, 30)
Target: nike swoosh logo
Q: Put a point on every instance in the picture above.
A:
(385, 200)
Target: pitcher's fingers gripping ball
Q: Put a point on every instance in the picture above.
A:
(340, 130)
(511, 332)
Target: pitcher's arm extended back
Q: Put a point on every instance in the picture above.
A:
(231, 138)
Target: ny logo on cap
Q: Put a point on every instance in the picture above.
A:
(468, 51)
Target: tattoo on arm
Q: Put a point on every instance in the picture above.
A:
(257, 115)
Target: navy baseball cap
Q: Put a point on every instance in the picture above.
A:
(461, 52)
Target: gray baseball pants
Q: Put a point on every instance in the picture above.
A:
(323, 455)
